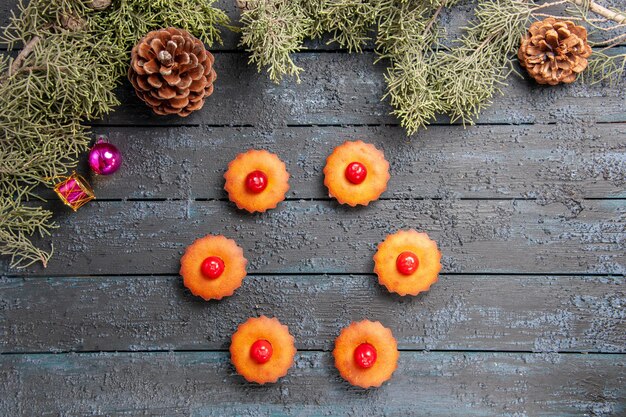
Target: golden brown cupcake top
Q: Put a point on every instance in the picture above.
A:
(262, 350)
(213, 267)
(407, 262)
(366, 354)
(356, 173)
(256, 181)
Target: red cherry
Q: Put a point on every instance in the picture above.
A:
(212, 267)
(365, 355)
(261, 351)
(356, 172)
(407, 263)
(256, 181)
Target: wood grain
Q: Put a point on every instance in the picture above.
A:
(528, 208)
(205, 384)
(466, 312)
(339, 89)
(322, 237)
(547, 162)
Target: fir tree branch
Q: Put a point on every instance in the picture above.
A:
(72, 60)
(610, 43)
(272, 31)
(348, 21)
(424, 78)
(434, 17)
(616, 16)
(406, 36)
(21, 57)
(471, 73)
(604, 68)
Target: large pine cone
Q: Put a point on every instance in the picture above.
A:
(554, 51)
(172, 71)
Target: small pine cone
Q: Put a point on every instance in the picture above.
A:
(243, 5)
(554, 51)
(98, 4)
(72, 22)
(172, 72)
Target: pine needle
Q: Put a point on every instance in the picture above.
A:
(605, 68)
(423, 77)
(271, 32)
(475, 69)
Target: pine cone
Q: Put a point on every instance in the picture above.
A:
(172, 72)
(98, 4)
(554, 51)
(243, 5)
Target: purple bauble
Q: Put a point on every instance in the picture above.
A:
(104, 158)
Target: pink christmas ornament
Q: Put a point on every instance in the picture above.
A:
(104, 158)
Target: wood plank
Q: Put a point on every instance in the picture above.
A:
(546, 162)
(495, 236)
(205, 384)
(503, 313)
(6, 7)
(340, 88)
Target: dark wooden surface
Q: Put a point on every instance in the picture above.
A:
(529, 208)
(204, 384)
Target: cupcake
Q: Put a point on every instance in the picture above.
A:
(366, 354)
(262, 350)
(356, 173)
(407, 262)
(256, 181)
(213, 267)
